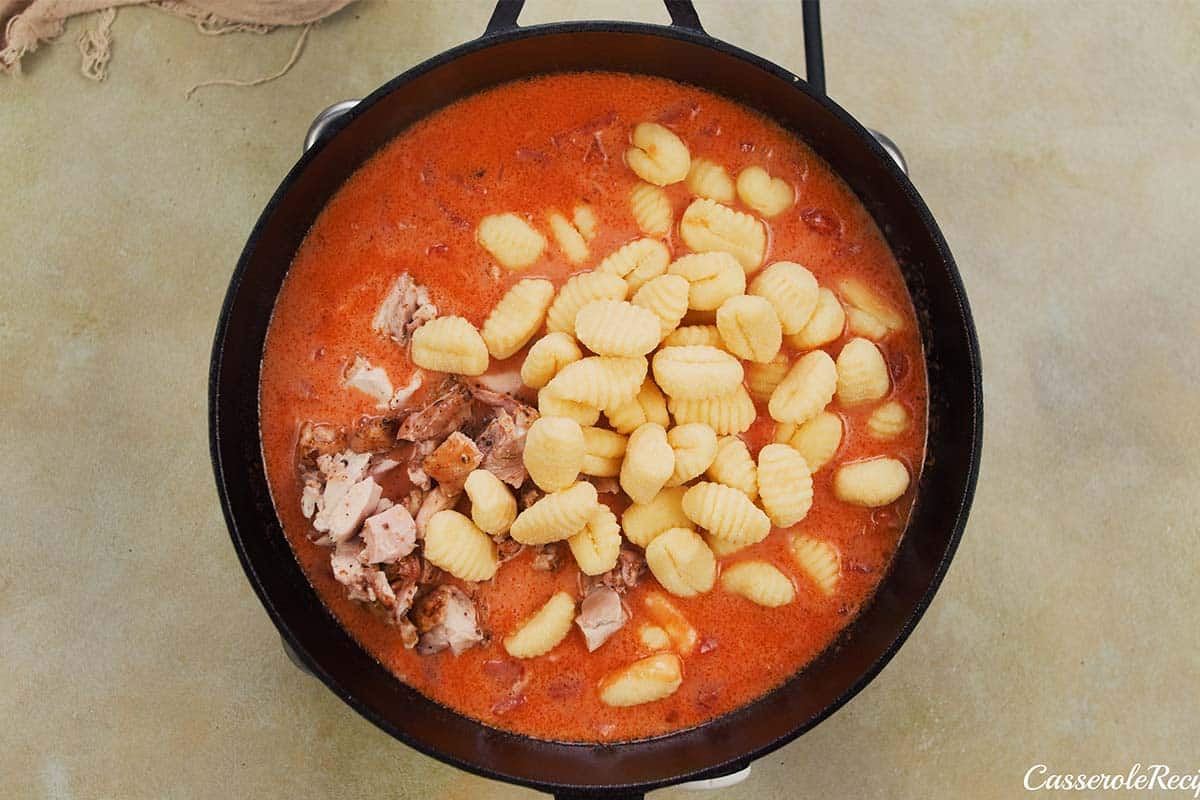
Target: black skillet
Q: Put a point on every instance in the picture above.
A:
(681, 51)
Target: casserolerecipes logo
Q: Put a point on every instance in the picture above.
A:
(1039, 777)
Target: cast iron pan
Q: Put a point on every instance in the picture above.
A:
(683, 52)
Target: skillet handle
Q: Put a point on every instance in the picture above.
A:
(504, 18)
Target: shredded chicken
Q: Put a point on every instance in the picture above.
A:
(437, 500)
(452, 462)
(341, 472)
(319, 439)
(507, 549)
(502, 443)
(549, 557)
(406, 307)
(628, 573)
(371, 381)
(600, 616)
(363, 583)
(389, 536)
(374, 434)
(445, 413)
(528, 495)
(446, 617)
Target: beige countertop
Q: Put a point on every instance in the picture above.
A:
(1058, 146)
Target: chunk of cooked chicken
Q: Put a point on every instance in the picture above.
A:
(502, 443)
(600, 616)
(347, 514)
(318, 439)
(374, 434)
(628, 573)
(446, 412)
(389, 536)
(406, 307)
(341, 472)
(437, 500)
(452, 462)
(446, 617)
(371, 381)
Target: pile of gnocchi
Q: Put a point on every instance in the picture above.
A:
(647, 369)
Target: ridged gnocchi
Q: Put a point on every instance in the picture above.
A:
(577, 292)
(819, 560)
(667, 298)
(889, 420)
(637, 262)
(584, 219)
(725, 414)
(644, 681)
(681, 632)
(722, 548)
(556, 516)
(694, 335)
(762, 378)
(712, 279)
(651, 209)
(826, 324)
(453, 543)
(543, 631)
(759, 582)
(617, 328)
(600, 381)
(569, 238)
(767, 195)
(696, 372)
(551, 404)
(708, 226)
(817, 439)
(493, 507)
(726, 513)
(784, 484)
(658, 156)
(872, 483)
(517, 317)
(512, 241)
(605, 450)
(597, 546)
(805, 390)
(862, 374)
(750, 328)
(681, 562)
(873, 312)
(648, 405)
(653, 637)
(733, 466)
(649, 462)
(695, 447)
(642, 522)
(450, 344)
(791, 290)
(554, 451)
(709, 179)
(546, 357)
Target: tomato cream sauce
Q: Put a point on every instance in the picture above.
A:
(534, 147)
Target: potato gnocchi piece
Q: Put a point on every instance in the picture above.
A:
(450, 344)
(784, 484)
(554, 450)
(889, 420)
(570, 240)
(791, 290)
(767, 195)
(658, 156)
(617, 328)
(637, 262)
(826, 324)
(722, 548)
(584, 219)
(551, 404)
(542, 632)
(817, 440)
(761, 379)
(805, 390)
(600, 381)
(667, 614)
(733, 466)
(493, 507)
(871, 483)
(653, 637)
(667, 298)
(726, 513)
(517, 317)
(695, 447)
(651, 209)
(644, 681)
(605, 451)
(648, 405)
(712, 279)
(547, 357)
(862, 374)
(681, 562)
(694, 335)
(880, 312)
(453, 543)
(649, 462)
(556, 516)
(759, 582)
(820, 561)
(696, 371)
(709, 179)
(860, 323)
(725, 414)
(642, 522)
(577, 292)
(597, 547)
(511, 240)
(750, 328)
(708, 226)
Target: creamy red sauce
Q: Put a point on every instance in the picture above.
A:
(532, 147)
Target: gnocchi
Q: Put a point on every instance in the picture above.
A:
(871, 483)
(584, 219)
(658, 156)
(617, 328)
(709, 179)
(762, 378)
(784, 484)
(546, 357)
(493, 508)
(637, 262)
(681, 562)
(708, 226)
(651, 209)
(667, 298)
(644, 681)
(643, 522)
(551, 404)
(597, 546)
(759, 582)
(577, 292)
(694, 334)
(543, 631)
(554, 451)
(604, 451)
(517, 317)
(791, 290)
(695, 447)
(873, 311)
(599, 381)
(817, 439)
(455, 544)
(510, 240)
(681, 632)
(725, 414)
(750, 328)
(819, 560)
(653, 637)
(557, 516)
(767, 195)
(726, 513)
(862, 374)
(826, 324)
(648, 405)
(696, 372)
(722, 547)
(888, 421)
(450, 344)
(712, 279)
(733, 466)
(569, 238)
(649, 462)
(805, 390)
